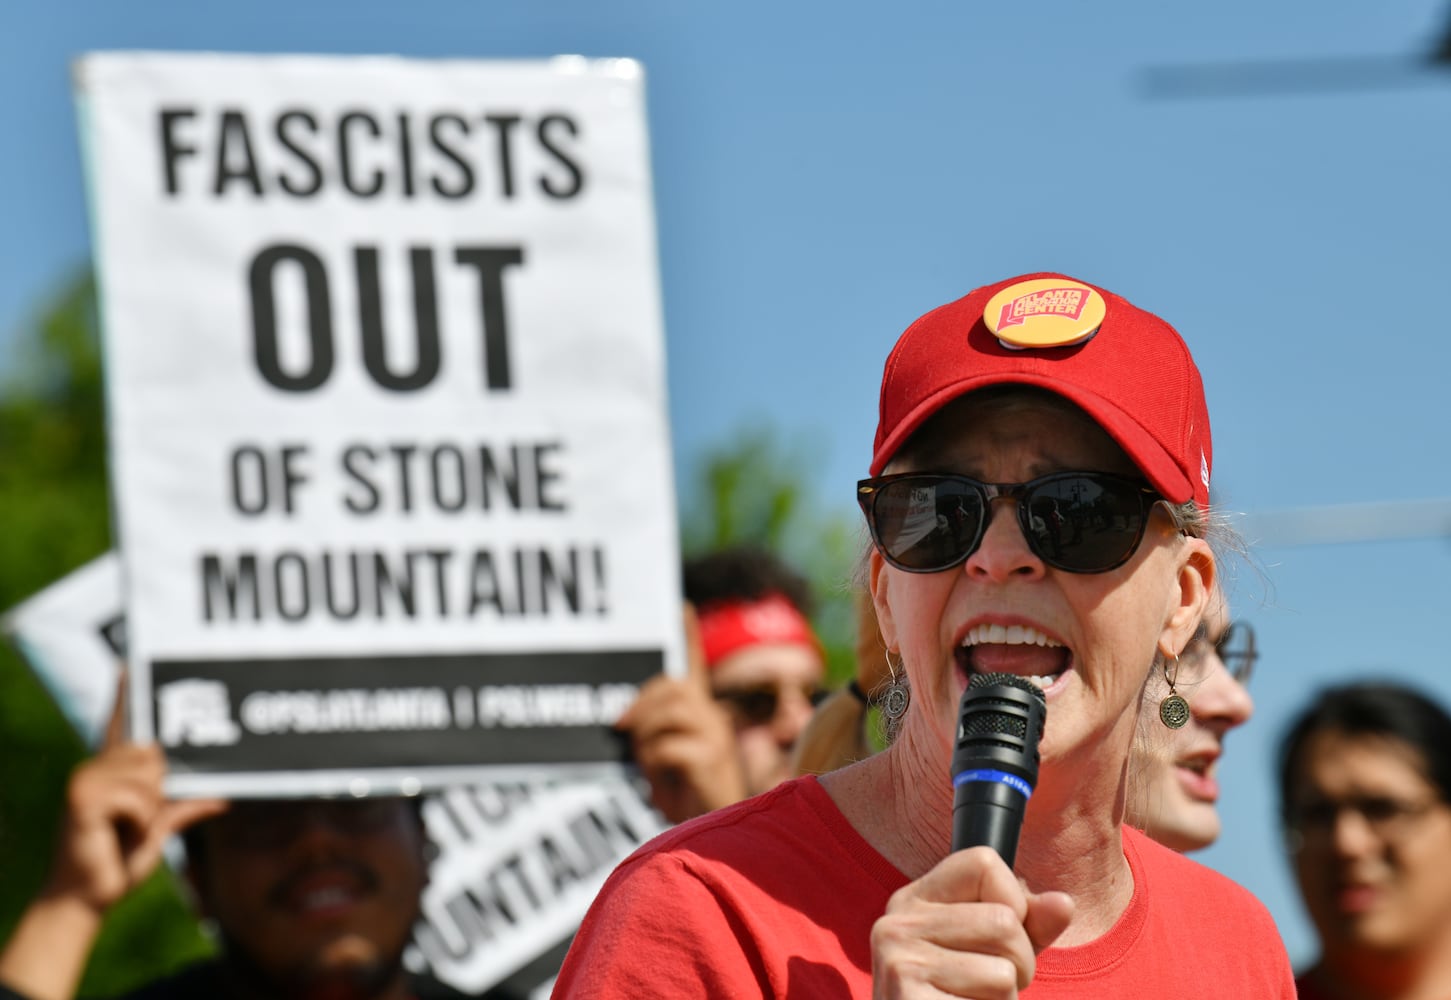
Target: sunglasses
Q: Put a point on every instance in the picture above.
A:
(757, 706)
(1388, 818)
(1079, 522)
(270, 824)
(1237, 649)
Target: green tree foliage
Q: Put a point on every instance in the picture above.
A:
(53, 449)
(758, 489)
(55, 517)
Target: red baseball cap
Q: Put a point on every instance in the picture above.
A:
(1127, 368)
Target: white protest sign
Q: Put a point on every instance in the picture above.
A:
(72, 635)
(386, 386)
(518, 867)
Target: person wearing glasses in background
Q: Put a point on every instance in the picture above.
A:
(1174, 786)
(725, 731)
(1038, 506)
(1365, 798)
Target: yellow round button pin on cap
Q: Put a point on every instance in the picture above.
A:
(1044, 312)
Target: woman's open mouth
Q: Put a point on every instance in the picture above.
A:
(1020, 650)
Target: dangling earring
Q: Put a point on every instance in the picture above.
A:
(1173, 710)
(891, 667)
(895, 699)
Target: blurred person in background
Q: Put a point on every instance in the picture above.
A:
(725, 731)
(310, 898)
(841, 730)
(1174, 784)
(1365, 798)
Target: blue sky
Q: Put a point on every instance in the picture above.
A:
(825, 173)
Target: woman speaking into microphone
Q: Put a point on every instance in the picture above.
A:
(1038, 507)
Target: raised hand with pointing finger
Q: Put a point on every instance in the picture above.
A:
(117, 821)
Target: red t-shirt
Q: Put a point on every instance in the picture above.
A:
(776, 897)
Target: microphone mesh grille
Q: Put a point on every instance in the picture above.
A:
(988, 723)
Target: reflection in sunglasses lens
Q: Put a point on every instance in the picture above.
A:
(927, 522)
(1084, 522)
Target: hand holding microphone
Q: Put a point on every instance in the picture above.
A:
(935, 928)
(995, 764)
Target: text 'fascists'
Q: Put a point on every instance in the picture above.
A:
(302, 152)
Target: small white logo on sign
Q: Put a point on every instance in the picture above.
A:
(197, 713)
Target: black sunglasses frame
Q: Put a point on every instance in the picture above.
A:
(757, 706)
(870, 490)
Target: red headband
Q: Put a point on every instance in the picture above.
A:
(727, 626)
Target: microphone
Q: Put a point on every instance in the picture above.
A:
(995, 764)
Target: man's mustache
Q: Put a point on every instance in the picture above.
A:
(364, 877)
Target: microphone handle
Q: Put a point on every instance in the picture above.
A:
(987, 812)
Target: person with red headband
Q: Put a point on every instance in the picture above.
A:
(1038, 504)
(726, 731)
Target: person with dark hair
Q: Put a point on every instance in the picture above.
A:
(1035, 396)
(1365, 798)
(726, 731)
(310, 898)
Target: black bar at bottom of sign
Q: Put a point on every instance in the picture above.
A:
(462, 742)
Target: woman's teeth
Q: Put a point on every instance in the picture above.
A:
(1014, 635)
(1007, 635)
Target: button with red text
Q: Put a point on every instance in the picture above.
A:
(1044, 312)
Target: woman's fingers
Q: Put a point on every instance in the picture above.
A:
(975, 874)
(1048, 916)
(960, 931)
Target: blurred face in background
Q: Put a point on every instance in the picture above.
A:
(770, 690)
(314, 897)
(1371, 839)
(1178, 779)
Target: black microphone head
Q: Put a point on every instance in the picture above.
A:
(1000, 722)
